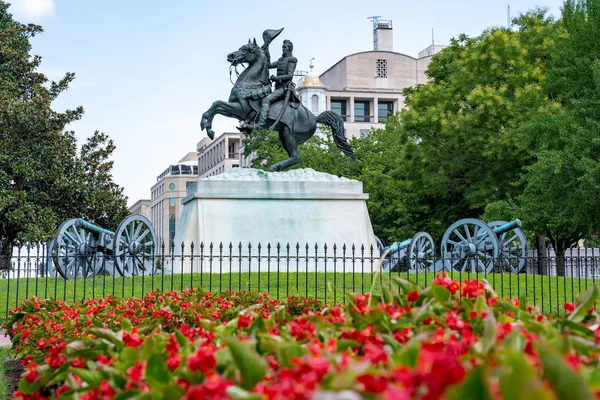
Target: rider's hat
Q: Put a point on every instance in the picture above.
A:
(270, 34)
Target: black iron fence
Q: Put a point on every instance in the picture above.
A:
(320, 271)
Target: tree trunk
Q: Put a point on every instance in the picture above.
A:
(5, 253)
(560, 258)
(542, 255)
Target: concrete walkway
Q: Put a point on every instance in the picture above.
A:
(4, 340)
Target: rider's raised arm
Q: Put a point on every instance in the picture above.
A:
(291, 67)
(268, 54)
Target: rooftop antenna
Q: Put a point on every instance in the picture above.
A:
(432, 37)
(508, 21)
(374, 18)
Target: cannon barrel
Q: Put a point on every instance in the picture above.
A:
(81, 223)
(398, 246)
(504, 228)
(507, 227)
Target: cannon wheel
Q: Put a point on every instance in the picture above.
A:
(470, 245)
(133, 246)
(71, 251)
(513, 246)
(421, 253)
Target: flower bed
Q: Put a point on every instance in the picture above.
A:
(449, 340)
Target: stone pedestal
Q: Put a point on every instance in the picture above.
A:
(253, 207)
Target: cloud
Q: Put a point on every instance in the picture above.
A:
(31, 10)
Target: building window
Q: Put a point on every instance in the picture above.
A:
(172, 202)
(364, 132)
(384, 110)
(361, 111)
(339, 107)
(381, 69)
(314, 104)
(171, 186)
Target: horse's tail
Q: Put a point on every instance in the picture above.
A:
(336, 123)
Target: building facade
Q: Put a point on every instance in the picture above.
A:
(366, 88)
(166, 196)
(218, 155)
(142, 207)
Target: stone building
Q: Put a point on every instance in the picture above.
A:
(142, 207)
(366, 87)
(166, 196)
(218, 155)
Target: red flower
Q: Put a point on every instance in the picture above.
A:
(102, 359)
(244, 321)
(373, 384)
(173, 361)
(569, 307)
(413, 296)
(107, 390)
(78, 363)
(472, 289)
(32, 372)
(136, 373)
(375, 354)
(202, 360)
(132, 339)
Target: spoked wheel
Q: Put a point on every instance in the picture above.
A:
(72, 253)
(421, 253)
(513, 245)
(134, 246)
(470, 245)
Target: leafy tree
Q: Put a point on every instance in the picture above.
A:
(562, 188)
(463, 142)
(43, 177)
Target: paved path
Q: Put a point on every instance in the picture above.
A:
(4, 340)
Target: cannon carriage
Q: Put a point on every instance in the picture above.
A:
(468, 245)
(471, 245)
(81, 248)
(417, 253)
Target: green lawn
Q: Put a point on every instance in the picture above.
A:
(4, 355)
(547, 292)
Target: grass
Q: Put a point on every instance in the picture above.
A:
(4, 355)
(547, 292)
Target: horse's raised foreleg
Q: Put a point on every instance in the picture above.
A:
(227, 109)
(289, 144)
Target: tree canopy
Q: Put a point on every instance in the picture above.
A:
(44, 178)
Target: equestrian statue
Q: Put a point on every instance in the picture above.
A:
(253, 102)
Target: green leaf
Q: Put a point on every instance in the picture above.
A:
(409, 354)
(490, 333)
(237, 393)
(107, 335)
(519, 379)
(523, 301)
(173, 391)
(404, 285)
(585, 304)
(288, 351)
(565, 382)
(157, 371)
(92, 378)
(126, 324)
(440, 293)
(474, 387)
(126, 395)
(250, 364)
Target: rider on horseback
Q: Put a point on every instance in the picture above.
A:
(286, 65)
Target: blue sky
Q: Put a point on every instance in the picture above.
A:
(147, 70)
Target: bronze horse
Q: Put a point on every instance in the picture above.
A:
(294, 122)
